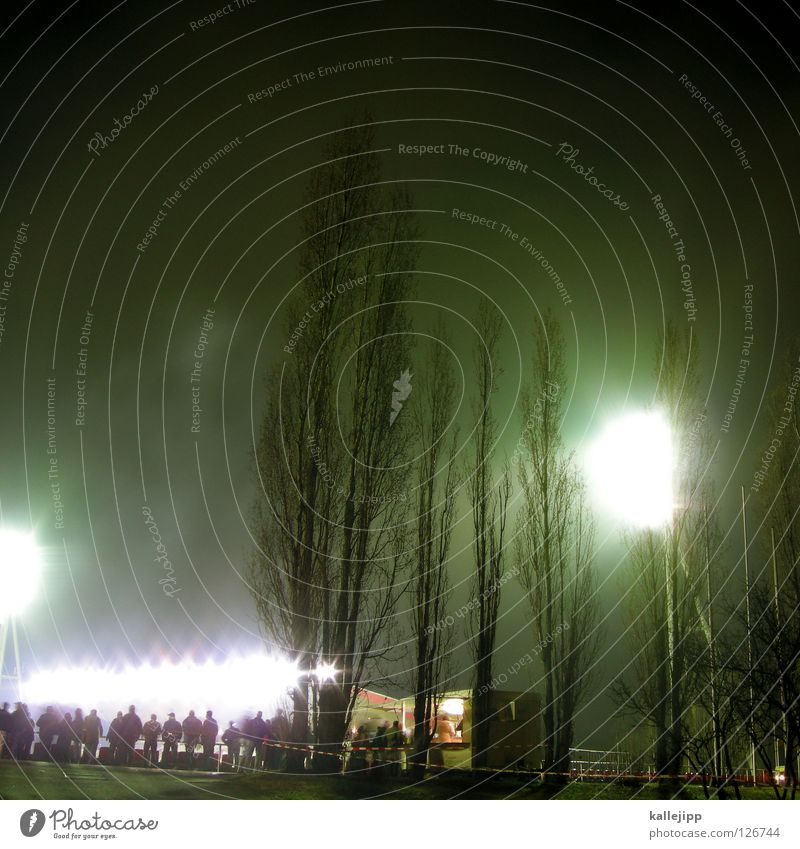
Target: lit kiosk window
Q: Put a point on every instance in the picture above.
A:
(448, 725)
(514, 734)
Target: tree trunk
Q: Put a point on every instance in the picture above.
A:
(332, 730)
(295, 760)
(422, 737)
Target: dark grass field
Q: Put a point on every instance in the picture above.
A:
(36, 780)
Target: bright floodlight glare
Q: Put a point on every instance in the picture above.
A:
(20, 569)
(257, 682)
(631, 466)
(325, 672)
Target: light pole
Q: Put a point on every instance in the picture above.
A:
(748, 625)
(20, 569)
(778, 626)
(712, 652)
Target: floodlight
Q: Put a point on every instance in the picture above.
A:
(631, 465)
(325, 672)
(20, 570)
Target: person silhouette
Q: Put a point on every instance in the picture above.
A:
(192, 730)
(150, 731)
(209, 738)
(92, 732)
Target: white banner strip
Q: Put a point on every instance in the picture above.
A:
(346, 824)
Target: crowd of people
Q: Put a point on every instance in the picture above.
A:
(373, 752)
(73, 737)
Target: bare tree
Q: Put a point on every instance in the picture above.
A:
(555, 551)
(712, 730)
(775, 597)
(437, 486)
(325, 576)
(366, 580)
(489, 501)
(716, 744)
(664, 631)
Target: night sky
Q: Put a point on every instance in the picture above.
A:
(131, 253)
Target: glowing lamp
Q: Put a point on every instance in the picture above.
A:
(325, 672)
(454, 707)
(20, 570)
(631, 466)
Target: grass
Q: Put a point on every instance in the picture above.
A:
(37, 780)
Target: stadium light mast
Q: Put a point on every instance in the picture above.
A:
(632, 466)
(20, 569)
